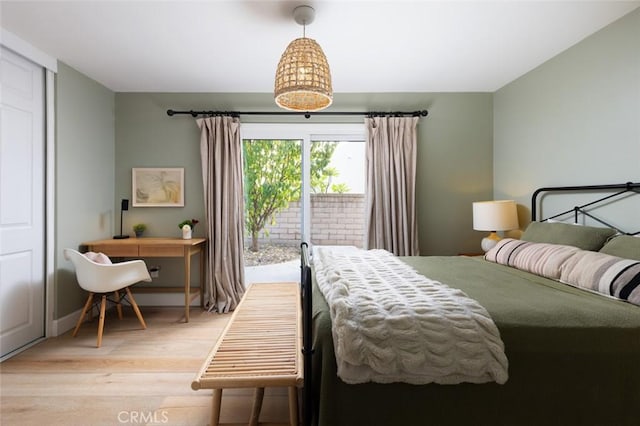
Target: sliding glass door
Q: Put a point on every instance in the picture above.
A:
(303, 182)
(337, 191)
(272, 194)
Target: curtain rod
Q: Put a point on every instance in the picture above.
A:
(422, 113)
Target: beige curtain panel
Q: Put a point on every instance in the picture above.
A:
(391, 221)
(221, 154)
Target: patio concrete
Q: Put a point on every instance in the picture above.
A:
(278, 272)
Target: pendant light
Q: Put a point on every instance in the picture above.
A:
(303, 79)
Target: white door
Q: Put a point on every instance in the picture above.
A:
(22, 207)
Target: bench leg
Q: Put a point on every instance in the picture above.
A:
(293, 406)
(215, 407)
(257, 406)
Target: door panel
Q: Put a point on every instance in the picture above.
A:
(21, 202)
(337, 199)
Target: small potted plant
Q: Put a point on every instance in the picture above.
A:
(187, 227)
(139, 229)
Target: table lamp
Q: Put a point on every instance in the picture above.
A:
(500, 215)
(124, 205)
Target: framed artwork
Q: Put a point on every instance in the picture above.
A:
(157, 187)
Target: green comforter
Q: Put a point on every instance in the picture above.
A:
(574, 358)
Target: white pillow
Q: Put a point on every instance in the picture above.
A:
(98, 258)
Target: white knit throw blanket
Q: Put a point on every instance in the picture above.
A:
(391, 324)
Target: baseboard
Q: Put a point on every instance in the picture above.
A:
(163, 299)
(68, 322)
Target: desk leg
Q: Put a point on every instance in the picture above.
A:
(187, 284)
(203, 253)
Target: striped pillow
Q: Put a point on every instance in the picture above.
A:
(598, 272)
(542, 259)
(603, 273)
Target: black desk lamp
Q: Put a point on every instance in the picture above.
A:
(124, 205)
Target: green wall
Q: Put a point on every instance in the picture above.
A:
(575, 120)
(454, 155)
(101, 135)
(85, 161)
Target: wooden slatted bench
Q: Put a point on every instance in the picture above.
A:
(260, 347)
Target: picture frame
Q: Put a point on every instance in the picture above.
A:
(157, 187)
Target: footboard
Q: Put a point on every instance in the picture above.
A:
(306, 291)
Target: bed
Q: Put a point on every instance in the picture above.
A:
(573, 354)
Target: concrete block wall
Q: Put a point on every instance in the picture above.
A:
(336, 219)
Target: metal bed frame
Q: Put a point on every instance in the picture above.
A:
(307, 331)
(613, 191)
(616, 190)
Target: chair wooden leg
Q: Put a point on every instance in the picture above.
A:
(118, 304)
(134, 305)
(86, 307)
(257, 406)
(215, 407)
(103, 307)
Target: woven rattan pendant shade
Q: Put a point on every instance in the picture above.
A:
(303, 79)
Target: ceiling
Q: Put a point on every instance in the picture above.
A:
(372, 46)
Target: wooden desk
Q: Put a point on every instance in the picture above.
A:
(160, 247)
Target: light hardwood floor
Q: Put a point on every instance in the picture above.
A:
(137, 376)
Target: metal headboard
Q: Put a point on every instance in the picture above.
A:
(614, 191)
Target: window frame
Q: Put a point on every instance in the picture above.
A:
(307, 133)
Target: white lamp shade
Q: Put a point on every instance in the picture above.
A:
(500, 215)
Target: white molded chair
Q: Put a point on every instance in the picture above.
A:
(102, 279)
